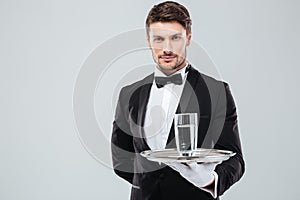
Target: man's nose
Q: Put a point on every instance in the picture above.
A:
(167, 46)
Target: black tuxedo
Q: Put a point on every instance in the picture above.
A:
(218, 129)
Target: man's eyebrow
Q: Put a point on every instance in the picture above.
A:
(176, 34)
(157, 36)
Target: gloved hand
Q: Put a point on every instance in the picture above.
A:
(200, 175)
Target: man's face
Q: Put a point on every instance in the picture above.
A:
(168, 42)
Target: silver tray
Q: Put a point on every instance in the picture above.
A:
(201, 155)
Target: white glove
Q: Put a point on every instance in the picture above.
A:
(200, 175)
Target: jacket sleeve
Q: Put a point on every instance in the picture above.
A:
(232, 170)
(122, 141)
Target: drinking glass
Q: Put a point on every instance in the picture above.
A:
(186, 133)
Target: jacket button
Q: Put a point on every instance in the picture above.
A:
(161, 176)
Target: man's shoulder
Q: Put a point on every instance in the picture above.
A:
(133, 87)
(210, 80)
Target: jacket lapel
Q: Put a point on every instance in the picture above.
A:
(142, 105)
(188, 90)
(183, 106)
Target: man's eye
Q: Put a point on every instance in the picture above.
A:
(158, 39)
(176, 37)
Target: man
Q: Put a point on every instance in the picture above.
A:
(145, 111)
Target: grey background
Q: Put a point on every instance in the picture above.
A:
(255, 45)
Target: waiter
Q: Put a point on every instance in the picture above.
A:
(145, 112)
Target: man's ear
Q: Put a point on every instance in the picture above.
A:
(189, 37)
(148, 40)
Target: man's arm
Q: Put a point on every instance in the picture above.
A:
(229, 171)
(122, 142)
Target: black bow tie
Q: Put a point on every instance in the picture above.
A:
(162, 81)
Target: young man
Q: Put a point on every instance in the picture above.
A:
(145, 112)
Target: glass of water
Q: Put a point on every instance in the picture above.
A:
(186, 133)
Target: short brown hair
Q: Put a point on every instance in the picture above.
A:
(169, 11)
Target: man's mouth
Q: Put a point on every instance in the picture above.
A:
(168, 58)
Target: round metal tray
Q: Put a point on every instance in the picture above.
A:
(201, 155)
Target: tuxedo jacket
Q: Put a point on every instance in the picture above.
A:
(217, 128)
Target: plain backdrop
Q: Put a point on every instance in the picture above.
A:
(255, 45)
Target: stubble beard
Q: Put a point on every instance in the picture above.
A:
(172, 68)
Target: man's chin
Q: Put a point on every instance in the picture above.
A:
(167, 68)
